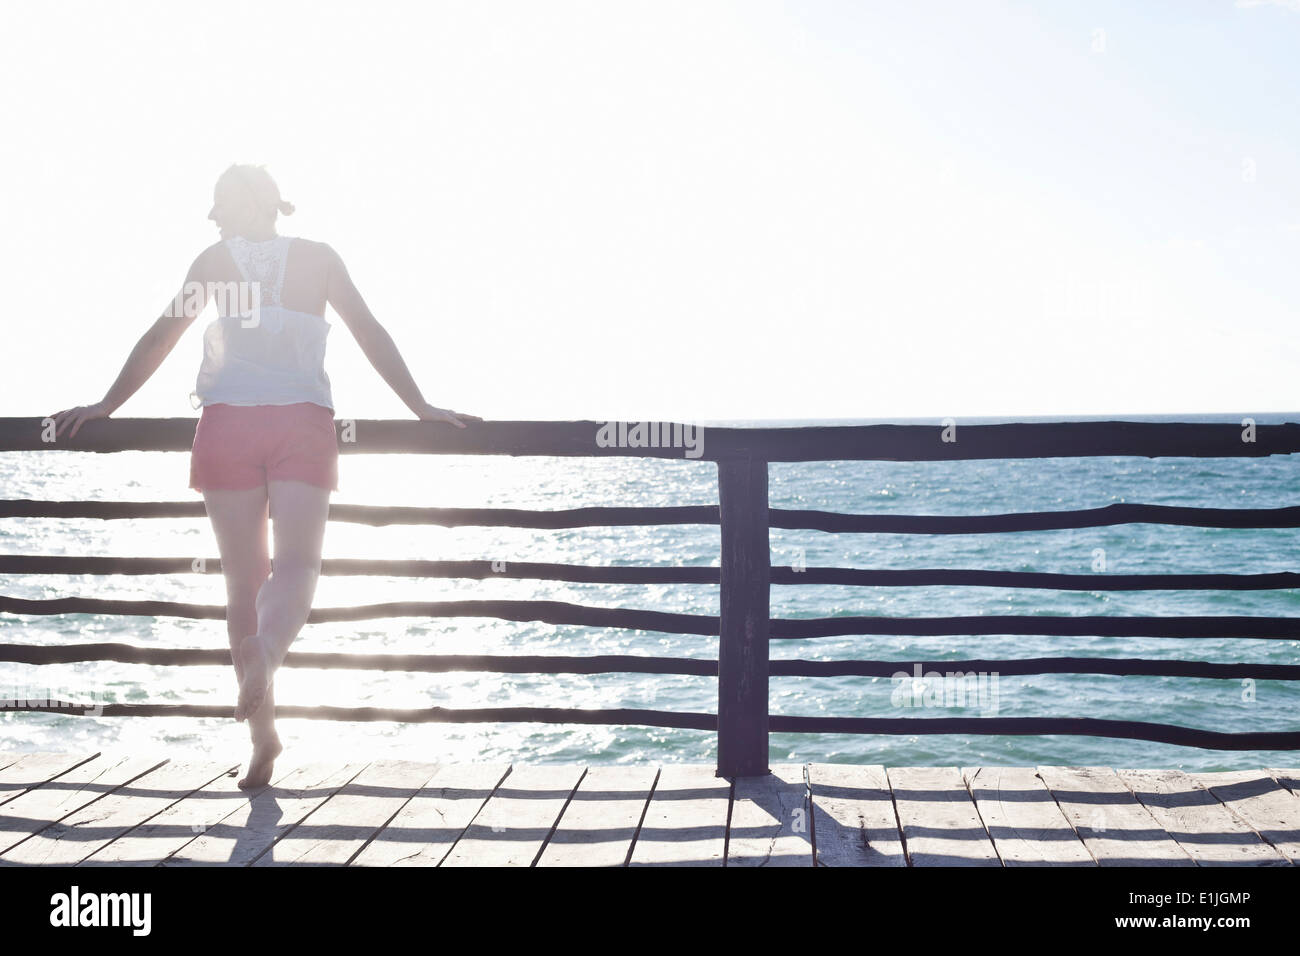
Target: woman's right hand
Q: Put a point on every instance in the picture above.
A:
(431, 413)
(76, 417)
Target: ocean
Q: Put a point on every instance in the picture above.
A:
(974, 487)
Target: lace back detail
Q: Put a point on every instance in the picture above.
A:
(261, 263)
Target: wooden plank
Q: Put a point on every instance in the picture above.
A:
(1287, 778)
(853, 812)
(769, 820)
(1022, 818)
(686, 821)
(31, 812)
(94, 826)
(431, 822)
(940, 824)
(601, 821)
(514, 824)
(744, 599)
(165, 834)
(34, 769)
(1114, 826)
(1024, 822)
(243, 836)
(1211, 835)
(339, 828)
(1269, 808)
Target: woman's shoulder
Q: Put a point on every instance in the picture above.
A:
(208, 263)
(311, 249)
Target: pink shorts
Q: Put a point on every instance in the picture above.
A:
(244, 446)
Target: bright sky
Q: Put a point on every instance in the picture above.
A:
(692, 210)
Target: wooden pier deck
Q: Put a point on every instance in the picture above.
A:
(98, 809)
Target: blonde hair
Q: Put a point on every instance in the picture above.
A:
(256, 183)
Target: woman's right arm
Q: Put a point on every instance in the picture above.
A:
(378, 345)
(153, 346)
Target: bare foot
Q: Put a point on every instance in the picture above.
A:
(261, 764)
(257, 677)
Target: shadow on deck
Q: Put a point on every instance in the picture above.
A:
(105, 810)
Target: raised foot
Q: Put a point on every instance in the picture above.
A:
(260, 765)
(257, 677)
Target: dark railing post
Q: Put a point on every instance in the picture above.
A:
(744, 608)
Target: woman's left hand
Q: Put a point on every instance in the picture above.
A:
(432, 413)
(74, 418)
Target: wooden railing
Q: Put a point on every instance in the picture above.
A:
(744, 626)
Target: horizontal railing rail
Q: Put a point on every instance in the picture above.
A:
(882, 442)
(633, 664)
(562, 612)
(638, 574)
(380, 516)
(744, 574)
(700, 514)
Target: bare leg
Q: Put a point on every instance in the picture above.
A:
(239, 519)
(298, 514)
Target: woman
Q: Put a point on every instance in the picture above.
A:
(265, 442)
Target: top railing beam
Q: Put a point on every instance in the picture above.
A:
(879, 442)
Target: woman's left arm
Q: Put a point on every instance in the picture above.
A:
(149, 352)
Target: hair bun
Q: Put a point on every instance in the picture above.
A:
(286, 207)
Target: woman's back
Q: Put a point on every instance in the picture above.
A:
(267, 345)
(302, 268)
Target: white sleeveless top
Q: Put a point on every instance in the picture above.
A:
(257, 352)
